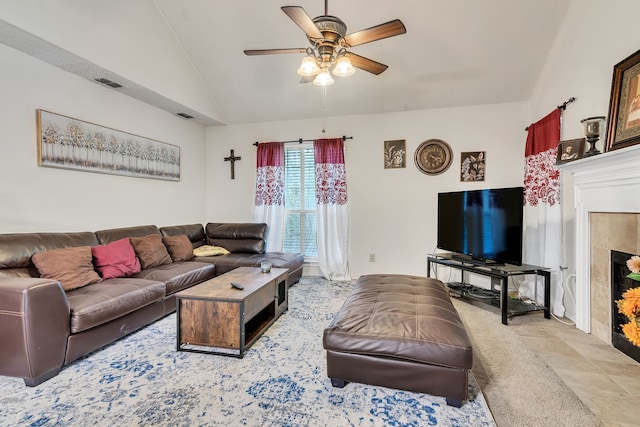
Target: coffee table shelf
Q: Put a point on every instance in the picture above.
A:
(215, 318)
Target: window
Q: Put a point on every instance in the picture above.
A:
(300, 201)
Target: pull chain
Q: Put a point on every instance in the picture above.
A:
(324, 108)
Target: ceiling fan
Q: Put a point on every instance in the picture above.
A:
(329, 45)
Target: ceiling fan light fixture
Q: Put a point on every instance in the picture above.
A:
(308, 67)
(343, 67)
(329, 43)
(323, 78)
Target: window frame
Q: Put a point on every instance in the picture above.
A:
(303, 210)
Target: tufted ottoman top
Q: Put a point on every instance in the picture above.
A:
(403, 317)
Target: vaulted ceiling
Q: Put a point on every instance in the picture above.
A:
(454, 53)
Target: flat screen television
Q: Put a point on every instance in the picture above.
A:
(483, 225)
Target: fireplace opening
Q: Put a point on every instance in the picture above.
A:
(619, 284)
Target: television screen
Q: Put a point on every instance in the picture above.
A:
(485, 225)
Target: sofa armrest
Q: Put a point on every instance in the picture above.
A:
(34, 327)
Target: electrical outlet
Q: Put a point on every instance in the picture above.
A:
(372, 257)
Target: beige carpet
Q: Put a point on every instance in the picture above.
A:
(520, 388)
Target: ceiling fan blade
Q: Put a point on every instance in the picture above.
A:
(382, 31)
(300, 17)
(366, 64)
(307, 79)
(252, 52)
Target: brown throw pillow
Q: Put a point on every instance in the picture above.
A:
(72, 267)
(150, 250)
(180, 247)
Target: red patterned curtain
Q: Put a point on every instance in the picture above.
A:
(542, 178)
(332, 219)
(542, 212)
(331, 182)
(269, 200)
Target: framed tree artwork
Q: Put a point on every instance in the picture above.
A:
(68, 143)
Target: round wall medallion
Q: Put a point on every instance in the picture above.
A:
(433, 156)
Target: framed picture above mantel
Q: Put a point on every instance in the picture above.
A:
(68, 143)
(624, 104)
(570, 150)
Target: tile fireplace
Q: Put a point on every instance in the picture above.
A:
(613, 236)
(607, 210)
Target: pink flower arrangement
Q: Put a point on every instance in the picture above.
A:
(634, 265)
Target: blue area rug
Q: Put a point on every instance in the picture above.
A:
(142, 380)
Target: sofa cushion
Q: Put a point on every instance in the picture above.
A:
(116, 259)
(195, 233)
(99, 303)
(72, 267)
(113, 234)
(179, 247)
(17, 249)
(237, 237)
(179, 275)
(208, 250)
(150, 250)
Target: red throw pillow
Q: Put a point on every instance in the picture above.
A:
(117, 259)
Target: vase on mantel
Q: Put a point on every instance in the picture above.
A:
(592, 126)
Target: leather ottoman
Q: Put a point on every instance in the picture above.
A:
(401, 332)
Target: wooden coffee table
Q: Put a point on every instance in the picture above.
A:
(216, 318)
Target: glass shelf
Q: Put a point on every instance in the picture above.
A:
(497, 297)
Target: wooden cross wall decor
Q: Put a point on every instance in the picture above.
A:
(232, 158)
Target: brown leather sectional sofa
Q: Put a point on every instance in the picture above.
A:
(43, 327)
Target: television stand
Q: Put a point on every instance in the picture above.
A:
(475, 261)
(499, 298)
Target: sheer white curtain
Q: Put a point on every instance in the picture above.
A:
(333, 209)
(542, 213)
(269, 202)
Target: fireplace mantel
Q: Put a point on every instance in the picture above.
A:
(608, 182)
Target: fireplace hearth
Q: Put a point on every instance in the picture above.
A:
(619, 284)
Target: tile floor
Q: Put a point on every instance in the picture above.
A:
(605, 379)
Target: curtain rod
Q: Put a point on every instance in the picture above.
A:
(300, 141)
(562, 106)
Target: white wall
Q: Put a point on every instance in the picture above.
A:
(393, 211)
(594, 37)
(128, 38)
(36, 198)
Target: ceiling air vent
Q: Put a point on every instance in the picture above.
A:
(185, 115)
(108, 82)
